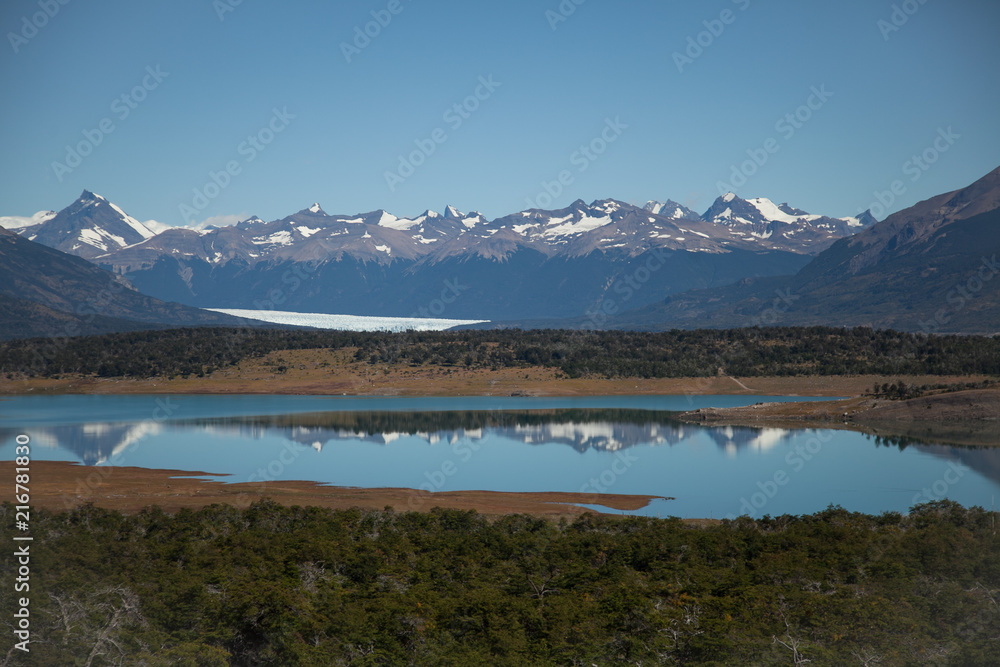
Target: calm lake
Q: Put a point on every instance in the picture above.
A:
(620, 444)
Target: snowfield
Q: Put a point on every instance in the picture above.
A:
(346, 322)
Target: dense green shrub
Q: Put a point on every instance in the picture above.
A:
(271, 585)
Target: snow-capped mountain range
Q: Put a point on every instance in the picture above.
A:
(582, 260)
(761, 218)
(97, 229)
(607, 264)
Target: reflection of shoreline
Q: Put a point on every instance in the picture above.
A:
(983, 460)
(583, 429)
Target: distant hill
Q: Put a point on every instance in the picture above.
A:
(931, 268)
(45, 292)
(20, 318)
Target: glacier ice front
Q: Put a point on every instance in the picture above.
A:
(346, 322)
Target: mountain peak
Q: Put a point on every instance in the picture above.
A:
(88, 229)
(865, 219)
(791, 210)
(87, 195)
(606, 205)
(315, 209)
(452, 212)
(671, 209)
(730, 209)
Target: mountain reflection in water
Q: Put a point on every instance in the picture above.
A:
(615, 447)
(583, 429)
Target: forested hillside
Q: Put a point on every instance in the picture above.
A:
(271, 585)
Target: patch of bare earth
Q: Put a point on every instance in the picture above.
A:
(60, 485)
(336, 372)
(969, 417)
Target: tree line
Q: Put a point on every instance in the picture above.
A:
(745, 352)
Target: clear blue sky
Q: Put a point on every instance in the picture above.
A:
(891, 92)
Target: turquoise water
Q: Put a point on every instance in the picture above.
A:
(621, 444)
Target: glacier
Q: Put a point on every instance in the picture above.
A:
(346, 322)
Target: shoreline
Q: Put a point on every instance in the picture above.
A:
(306, 373)
(62, 485)
(969, 418)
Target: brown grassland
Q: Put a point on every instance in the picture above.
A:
(325, 372)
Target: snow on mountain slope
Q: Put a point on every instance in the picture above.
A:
(780, 225)
(140, 228)
(770, 211)
(94, 228)
(392, 222)
(585, 223)
(671, 209)
(88, 227)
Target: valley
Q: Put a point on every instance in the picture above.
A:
(502, 333)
